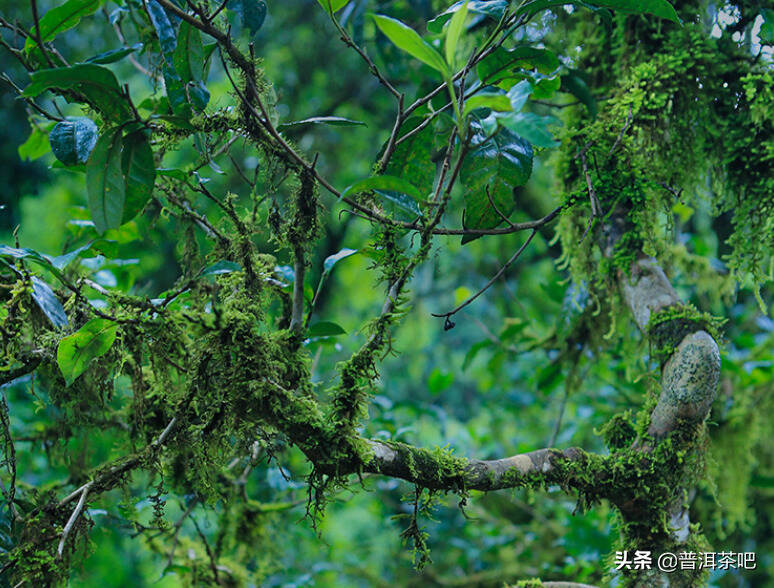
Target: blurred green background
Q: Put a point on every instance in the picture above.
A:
(486, 388)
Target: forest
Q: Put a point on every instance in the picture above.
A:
(378, 293)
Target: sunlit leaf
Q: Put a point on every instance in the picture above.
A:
(384, 182)
(497, 102)
(332, 6)
(35, 146)
(60, 19)
(408, 40)
(454, 32)
(325, 329)
(91, 341)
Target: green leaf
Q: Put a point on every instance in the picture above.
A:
(384, 182)
(413, 158)
(114, 55)
(543, 88)
(177, 89)
(105, 182)
(48, 302)
(173, 172)
(519, 94)
(766, 33)
(408, 40)
(222, 267)
(91, 341)
(398, 203)
(331, 6)
(532, 127)
(501, 65)
(96, 83)
(325, 329)
(164, 29)
(453, 34)
(491, 100)
(188, 56)
(491, 8)
(31, 255)
(35, 146)
(573, 83)
(252, 13)
(490, 172)
(73, 140)
(139, 172)
(334, 121)
(60, 262)
(60, 19)
(332, 260)
(660, 8)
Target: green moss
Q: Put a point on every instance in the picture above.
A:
(669, 326)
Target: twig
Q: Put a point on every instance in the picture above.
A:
(596, 208)
(447, 315)
(179, 525)
(38, 38)
(621, 133)
(84, 491)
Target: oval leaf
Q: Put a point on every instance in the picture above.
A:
(60, 19)
(105, 182)
(48, 302)
(325, 329)
(76, 351)
(73, 140)
(331, 6)
(408, 40)
(96, 83)
(139, 172)
(496, 102)
(332, 260)
(454, 32)
(392, 183)
(252, 13)
(490, 173)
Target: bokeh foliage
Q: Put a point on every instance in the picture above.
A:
(547, 356)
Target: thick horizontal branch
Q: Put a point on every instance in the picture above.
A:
(442, 471)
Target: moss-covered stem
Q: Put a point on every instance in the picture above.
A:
(442, 471)
(299, 269)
